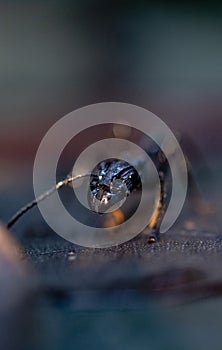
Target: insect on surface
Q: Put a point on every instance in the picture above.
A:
(112, 181)
(126, 160)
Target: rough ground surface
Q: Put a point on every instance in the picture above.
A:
(136, 295)
(182, 263)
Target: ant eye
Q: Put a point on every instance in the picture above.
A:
(94, 182)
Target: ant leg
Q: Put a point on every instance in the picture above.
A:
(156, 219)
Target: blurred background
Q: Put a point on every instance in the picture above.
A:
(56, 56)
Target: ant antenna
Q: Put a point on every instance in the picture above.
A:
(46, 194)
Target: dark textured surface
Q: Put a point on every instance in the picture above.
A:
(166, 295)
(181, 263)
(160, 296)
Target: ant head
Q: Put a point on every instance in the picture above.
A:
(108, 189)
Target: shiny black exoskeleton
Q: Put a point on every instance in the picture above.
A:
(111, 182)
